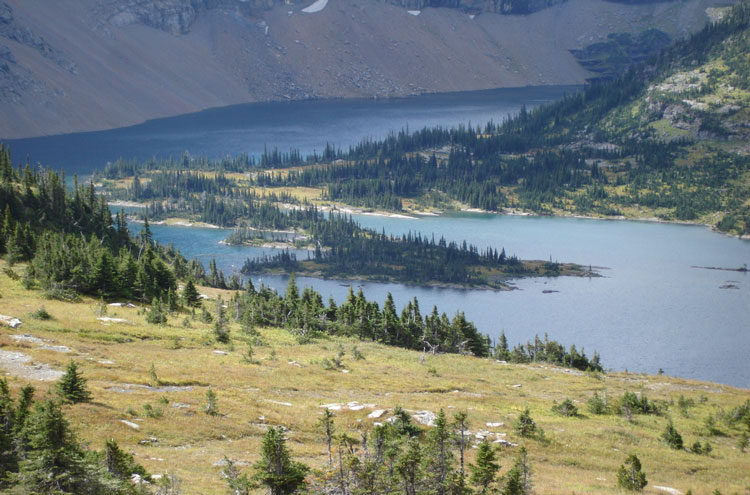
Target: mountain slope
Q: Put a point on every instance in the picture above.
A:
(158, 415)
(667, 140)
(78, 65)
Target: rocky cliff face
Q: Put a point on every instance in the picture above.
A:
(75, 65)
(177, 16)
(476, 6)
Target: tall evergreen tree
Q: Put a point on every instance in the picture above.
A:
(190, 294)
(54, 461)
(72, 386)
(276, 470)
(484, 471)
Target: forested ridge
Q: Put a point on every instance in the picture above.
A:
(664, 140)
(611, 149)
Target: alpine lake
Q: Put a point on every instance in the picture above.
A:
(654, 307)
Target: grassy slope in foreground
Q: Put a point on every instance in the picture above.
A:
(582, 457)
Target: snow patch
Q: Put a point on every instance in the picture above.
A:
(317, 6)
(415, 12)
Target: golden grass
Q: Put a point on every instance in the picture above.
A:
(582, 457)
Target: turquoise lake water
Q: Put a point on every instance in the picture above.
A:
(650, 310)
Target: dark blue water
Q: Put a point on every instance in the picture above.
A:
(303, 125)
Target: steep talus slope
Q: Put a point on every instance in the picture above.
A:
(76, 65)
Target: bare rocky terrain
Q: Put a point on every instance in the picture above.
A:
(77, 65)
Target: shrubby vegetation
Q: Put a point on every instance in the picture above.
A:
(397, 456)
(41, 454)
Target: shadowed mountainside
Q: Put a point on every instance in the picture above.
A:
(77, 65)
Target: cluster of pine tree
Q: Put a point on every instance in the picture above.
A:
(39, 453)
(546, 351)
(71, 242)
(307, 316)
(395, 457)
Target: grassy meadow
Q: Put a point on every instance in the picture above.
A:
(286, 384)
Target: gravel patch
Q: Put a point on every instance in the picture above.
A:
(15, 364)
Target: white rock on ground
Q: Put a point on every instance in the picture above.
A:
(41, 342)
(415, 12)
(107, 319)
(130, 424)
(504, 442)
(15, 364)
(351, 406)
(10, 321)
(668, 489)
(426, 418)
(377, 413)
(121, 305)
(56, 348)
(495, 425)
(25, 337)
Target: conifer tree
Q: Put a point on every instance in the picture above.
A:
(525, 425)
(221, 330)
(212, 407)
(120, 464)
(672, 436)
(408, 466)
(276, 470)
(147, 238)
(461, 427)
(54, 461)
(485, 470)
(439, 456)
(630, 475)
(518, 479)
(72, 386)
(237, 483)
(291, 298)
(190, 294)
(326, 425)
(8, 458)
(2, 238)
